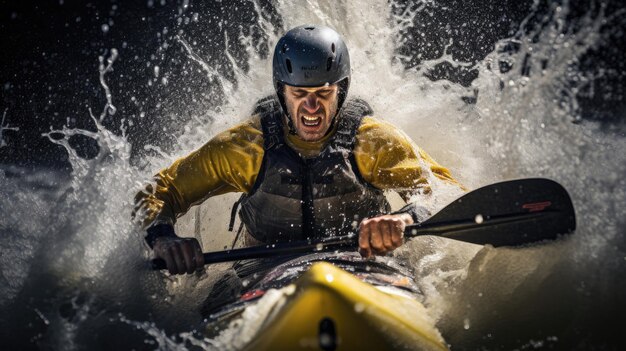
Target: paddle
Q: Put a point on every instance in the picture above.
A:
(509, 213)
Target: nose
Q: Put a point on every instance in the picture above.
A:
(311, 103)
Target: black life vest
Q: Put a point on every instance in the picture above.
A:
(296, 198)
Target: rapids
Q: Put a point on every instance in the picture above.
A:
(74, 272)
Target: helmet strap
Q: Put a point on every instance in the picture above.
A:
(280, 91)
(292, 129)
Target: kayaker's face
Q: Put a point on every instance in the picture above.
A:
(311, 109)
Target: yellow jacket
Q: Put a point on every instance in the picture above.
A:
(230, 162)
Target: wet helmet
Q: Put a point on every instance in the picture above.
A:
(311, 56)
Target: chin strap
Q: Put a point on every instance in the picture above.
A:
(332, 124)
(292, 129)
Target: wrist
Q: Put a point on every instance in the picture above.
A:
(418, 214)
(407, 218)
(159, 232)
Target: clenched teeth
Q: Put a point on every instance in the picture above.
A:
(311, 121)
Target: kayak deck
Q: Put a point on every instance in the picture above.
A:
(330, 309)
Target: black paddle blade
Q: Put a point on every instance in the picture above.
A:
(509, 213)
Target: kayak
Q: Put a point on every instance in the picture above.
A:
(339, 301)
(345, 304)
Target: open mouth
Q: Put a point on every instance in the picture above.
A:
(311, 121)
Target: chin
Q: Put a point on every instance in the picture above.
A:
(310, 137)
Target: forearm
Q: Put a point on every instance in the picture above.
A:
(162, 202)
(186, 182)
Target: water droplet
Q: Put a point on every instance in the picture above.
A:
(466, 323)
(105, 28)
(359, 307)
(479, 218)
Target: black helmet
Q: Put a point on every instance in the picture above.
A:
(311, 56)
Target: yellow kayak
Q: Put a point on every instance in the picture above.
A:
(327, 308)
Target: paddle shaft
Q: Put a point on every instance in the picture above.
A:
(351, 240)
(504, 214)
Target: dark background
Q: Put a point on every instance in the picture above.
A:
(49, 63)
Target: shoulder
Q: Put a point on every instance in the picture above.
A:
(243, 138)
(247, 131)
(251, 129)
(371, 123)
(378, 132)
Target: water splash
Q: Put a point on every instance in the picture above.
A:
(103, 180)
(4, 127)
(527, 122)
(522, 119)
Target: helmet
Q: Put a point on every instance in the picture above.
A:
(311, 56)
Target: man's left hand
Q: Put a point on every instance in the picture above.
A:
(382, 234)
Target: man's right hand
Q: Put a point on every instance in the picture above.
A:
(181, 255)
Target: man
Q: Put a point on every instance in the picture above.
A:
(310, 163)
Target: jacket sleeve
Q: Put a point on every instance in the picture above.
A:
(227, 163)
(389, 160)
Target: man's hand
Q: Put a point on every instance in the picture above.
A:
(382, 234)
(181, 255)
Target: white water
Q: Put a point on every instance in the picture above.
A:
(87, 250)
